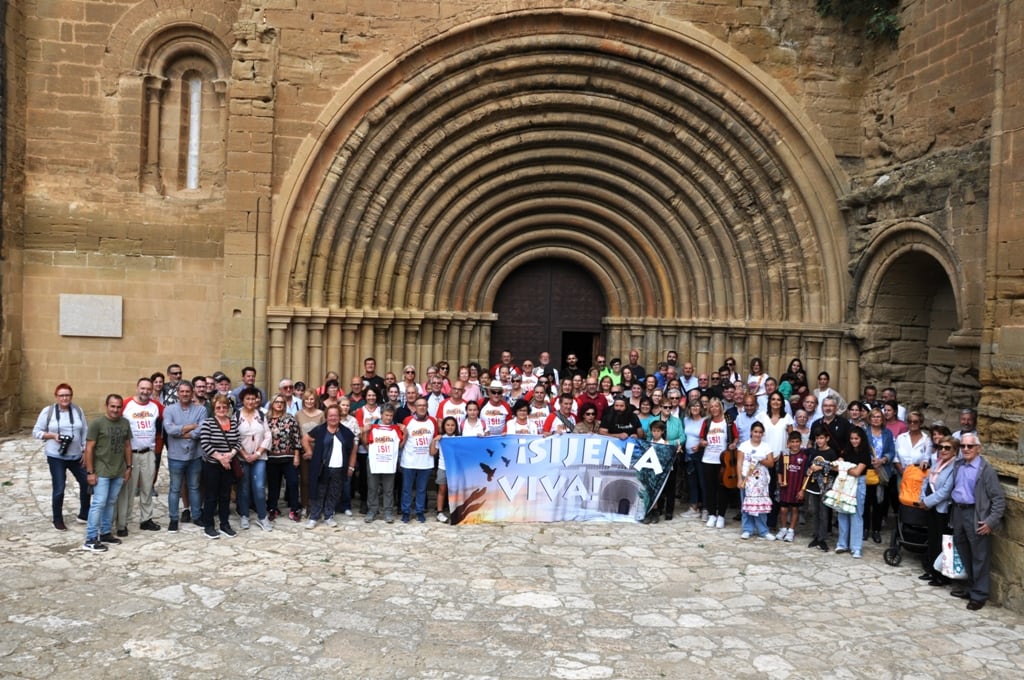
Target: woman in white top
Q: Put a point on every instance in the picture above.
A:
(777, 423)
(717, 436)
(755, 461)
(521, 422)
(755, 381)
(472, 426)
(913, 447)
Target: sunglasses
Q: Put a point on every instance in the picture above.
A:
(590, 413)
(945, 447)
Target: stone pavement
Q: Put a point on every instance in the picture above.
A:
(673, 600)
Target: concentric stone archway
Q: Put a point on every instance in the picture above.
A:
(688, 182)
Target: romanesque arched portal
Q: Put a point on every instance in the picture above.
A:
(684, 180)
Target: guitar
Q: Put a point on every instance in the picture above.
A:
(730, 474)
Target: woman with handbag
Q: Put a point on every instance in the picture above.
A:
(220, 443)
(857, 455)
(883, 453)
(935, 495)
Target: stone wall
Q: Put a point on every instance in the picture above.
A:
(919, 204)
(12, 136)
(98, 219)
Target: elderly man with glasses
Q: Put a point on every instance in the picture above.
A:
(293, 402)
(978, 504)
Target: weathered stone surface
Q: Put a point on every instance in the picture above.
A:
(87, 195)
(402, 601)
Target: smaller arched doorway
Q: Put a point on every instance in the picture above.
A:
(910, 336)
(550, 305)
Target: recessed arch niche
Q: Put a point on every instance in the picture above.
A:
(700, 194)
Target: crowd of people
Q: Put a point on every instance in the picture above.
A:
(782, 451)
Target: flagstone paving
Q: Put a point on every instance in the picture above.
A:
(595, 600)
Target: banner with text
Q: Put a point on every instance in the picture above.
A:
(570, 477)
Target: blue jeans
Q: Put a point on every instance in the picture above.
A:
(755, 525)
(419, 479)
(851, 525)
(189, 470)
(252, 488)
(59, 469)
(101, 512)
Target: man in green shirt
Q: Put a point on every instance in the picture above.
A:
(108, 464)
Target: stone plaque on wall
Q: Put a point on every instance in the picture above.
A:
(97, 316)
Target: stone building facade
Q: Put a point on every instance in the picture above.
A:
(297, 184)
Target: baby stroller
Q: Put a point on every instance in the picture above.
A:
(911, 530)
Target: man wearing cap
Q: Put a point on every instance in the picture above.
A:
(494, 411)
(222, 383)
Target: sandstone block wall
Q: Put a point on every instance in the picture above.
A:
(12, 128)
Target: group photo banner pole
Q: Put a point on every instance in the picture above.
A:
(562, 478)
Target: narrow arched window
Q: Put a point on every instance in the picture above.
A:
(195, 116)
(184, 127)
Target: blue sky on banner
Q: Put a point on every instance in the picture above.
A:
(550, 479)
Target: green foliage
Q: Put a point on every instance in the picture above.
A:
(879, 17)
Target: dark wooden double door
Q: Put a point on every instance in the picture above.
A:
(549, 305)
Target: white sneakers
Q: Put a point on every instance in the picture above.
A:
(331, 522)
(311, 523)
(745, 535)
(265, 524)
(711, 521)
(720, 522)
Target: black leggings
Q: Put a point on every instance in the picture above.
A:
(875, 509)
(716, 496)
